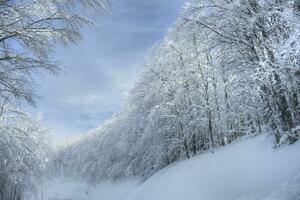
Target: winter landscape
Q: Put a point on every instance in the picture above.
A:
(149, 100)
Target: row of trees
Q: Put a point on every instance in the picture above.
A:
(225, 69)
(29, 32)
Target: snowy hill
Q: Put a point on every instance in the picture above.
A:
(248, 169)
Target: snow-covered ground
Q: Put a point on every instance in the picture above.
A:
(66, 189)
(249, 169)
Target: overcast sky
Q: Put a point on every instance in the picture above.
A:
(100, 70)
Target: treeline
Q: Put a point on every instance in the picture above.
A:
(225, 69)
(29, 32)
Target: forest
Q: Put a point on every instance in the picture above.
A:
(225, 69)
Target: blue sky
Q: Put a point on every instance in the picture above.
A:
(102, 67)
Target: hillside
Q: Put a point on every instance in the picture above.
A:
(248, 169)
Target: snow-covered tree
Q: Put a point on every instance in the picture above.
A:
(24, 149)
(225, 69)
(251, 34)
(29, 32)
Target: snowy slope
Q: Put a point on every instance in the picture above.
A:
(248, 169)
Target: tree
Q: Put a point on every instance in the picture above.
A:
(255, 31)
(29, 32)
(226, 68)
(23, 151)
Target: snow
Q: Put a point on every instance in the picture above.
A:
(66, 189)
(248, 169)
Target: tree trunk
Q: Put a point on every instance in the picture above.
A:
(194, 144)
(186, 149)
(210, 132)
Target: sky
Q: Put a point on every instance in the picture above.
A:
(101, 69)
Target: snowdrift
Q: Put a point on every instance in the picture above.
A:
(249, 169)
